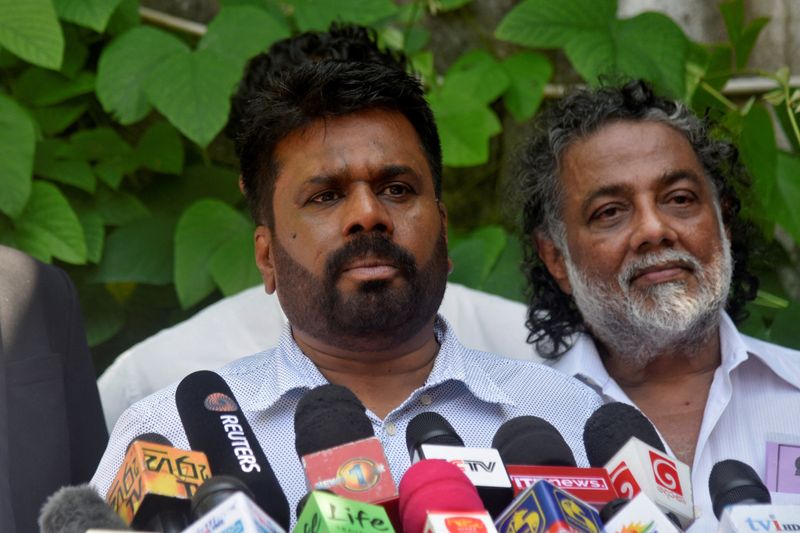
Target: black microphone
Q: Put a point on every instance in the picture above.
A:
(733, 482)
(611, 426)
(216, 425)
(215, 491)
(530, 440)
(76, 509)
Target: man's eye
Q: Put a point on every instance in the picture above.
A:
(324, 197)
(397, 189)
(606, 213)
(681, 199)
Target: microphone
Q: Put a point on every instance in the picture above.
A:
(215, 424)
(742, 502)
(638, 514)
(76, 509)
(437, 496)
(328, 513)
(532, 449)
(225, 504)
(544, 507)
(430, 436)
(338, 448)
(623, 441)
(153, 485)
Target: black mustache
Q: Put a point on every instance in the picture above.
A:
(374, 246)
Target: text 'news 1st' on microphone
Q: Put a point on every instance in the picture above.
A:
(154, 484)
(437, 497)
(430, 436)
(532, 449)
(325, 512)
(623, 441)
(337, 446)
(215, 424)
(224, 504)
(742, 502)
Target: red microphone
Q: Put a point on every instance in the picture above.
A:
(436, 496)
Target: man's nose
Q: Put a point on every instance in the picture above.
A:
(652, 228)
(364, 211)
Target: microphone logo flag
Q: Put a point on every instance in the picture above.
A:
(666, 473)
(359, 474)
(624, 482)
(464, 524)
(220, 403)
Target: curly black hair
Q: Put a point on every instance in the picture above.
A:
(316, 75)
(553, 318)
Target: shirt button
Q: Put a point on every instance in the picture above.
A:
(425, 399)
(391, 429)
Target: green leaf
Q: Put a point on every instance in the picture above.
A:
(475, 255)
(202, 229)
(787, 194)
(232, 266)
(318, 14)
(30, 30)
(94, 232)
(784, 327)
(742, 38)
(58, 161)
(160, 149)
(465, 127)
(174, 194)
(549, 24)
(759, 152)
(238, 33)
(141, 251)
(17, 143)
(124, 18)
(118, 207)
(477, 74)
(193, 91)
(92, 14)
(125, 65)
(75, 52)
(104, 316)
(528, 73)
(41, 87)
(48, 227)
(99, 143)
(506, 278)
(55, 119)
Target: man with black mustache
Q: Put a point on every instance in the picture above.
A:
(637, 259)
(341, 166)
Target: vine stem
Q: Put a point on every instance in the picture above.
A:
(719, 96)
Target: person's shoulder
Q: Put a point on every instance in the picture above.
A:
(768, 349)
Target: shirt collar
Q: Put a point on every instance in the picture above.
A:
(289, 369)
(584, 360)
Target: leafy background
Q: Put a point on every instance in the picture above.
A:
(113, 166)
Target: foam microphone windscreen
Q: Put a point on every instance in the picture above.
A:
(611, 426)
(329, 416)
(530, 440)
(733, 482)
(434, 485)
(215, 424)
(430, 428)
(76, 509)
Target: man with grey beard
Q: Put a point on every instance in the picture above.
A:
(637, 264)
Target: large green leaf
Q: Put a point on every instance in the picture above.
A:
(141, 251)
(160, 149)
(528, 73)
(59, 161)
(41, 87)
(787, 192)
(30, 30)
(506, 278)
(233, 267)
(192, 89)
(759, 152)
(784, 328)
(48, 227)
(124, 18)
(475, 255)
(742, 37)
(173, 194)
(202, 229)
(92, 14)
(118, 207)
(17, 143)
(465, 127)
(103, 315)
(238, 33)
(114, 156)
(94, 232)
(478, 75)
(549, 24)
(318, 14)
(55, 119)
(124, 66)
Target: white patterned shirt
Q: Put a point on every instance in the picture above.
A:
(754, 398)
(475, 391)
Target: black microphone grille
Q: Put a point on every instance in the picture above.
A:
(329, 416)
(76, 509)
(611, 426)
(530, 440)
(733, 482)
(430, 428)
(216, 490)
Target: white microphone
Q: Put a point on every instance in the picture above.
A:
(643, 513)
(236, 513)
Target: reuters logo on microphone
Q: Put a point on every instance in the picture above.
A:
(220, 403)
(358, 475)
(623, 481)
(666, 473)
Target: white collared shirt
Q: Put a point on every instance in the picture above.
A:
(754, 398)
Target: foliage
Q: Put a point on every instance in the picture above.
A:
(112, 162)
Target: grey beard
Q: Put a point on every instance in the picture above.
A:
(638, 326)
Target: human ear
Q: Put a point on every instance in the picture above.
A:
(553, 260)
(264, 257)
